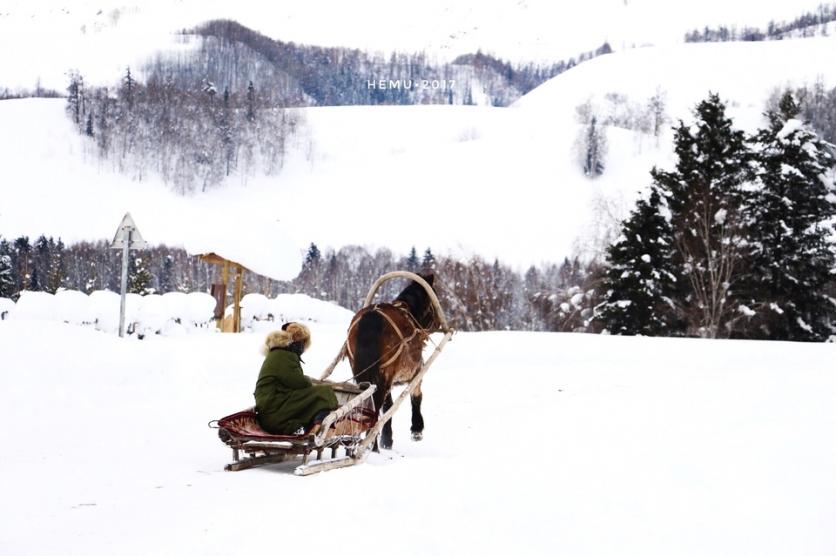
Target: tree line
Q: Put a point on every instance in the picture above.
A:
(304, 75)
(476, 294)
(807, 24)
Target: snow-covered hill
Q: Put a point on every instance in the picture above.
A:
(495, 182)
(743, 73)
(42, 40)
(535, 444)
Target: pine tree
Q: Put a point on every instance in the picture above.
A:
(309, 277)
(428, 262)
(593, 148)
(89, 128)
(35, 280)
(789, 248)
(251, 102)
(22, 259)
(128, 89)
(39, 280)
(412, 262)
(139, 277)
(704, 195)
(167, 275)
(313, 257)
(7, 283)
(57, 273)
(75, 94)
(91, 282)
(640, 279)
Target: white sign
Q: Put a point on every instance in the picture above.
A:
(127, 229)
(127, 237)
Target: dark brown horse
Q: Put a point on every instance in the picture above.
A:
(384, 348)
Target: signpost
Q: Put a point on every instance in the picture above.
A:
(127, 237)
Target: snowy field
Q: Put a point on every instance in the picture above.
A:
(535, 444)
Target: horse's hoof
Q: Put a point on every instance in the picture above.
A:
(386, 445)
(417, 436)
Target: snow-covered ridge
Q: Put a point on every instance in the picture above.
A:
(101, 37)
(743, 73)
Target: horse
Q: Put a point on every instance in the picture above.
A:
(384, 347)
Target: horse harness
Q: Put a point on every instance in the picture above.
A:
(404, 340)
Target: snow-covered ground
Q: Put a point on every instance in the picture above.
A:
(536, 443)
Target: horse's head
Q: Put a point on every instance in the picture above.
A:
(419, 303)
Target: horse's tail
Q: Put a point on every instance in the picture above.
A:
(367, 353)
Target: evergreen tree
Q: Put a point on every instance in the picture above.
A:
(128, 89)
(313, 257)
(35, 280)
(7, 283)
(593, 148)
(57, 274)
(75, 95)
(428, 262)
(250, 102)
(139, 277)
(309, 277)
(89, 128)
(640, 279)
(22, 261)
(412, 262)
(41, 263)
(705, 194)
(789, 248)
(91, 282)
(167, 275)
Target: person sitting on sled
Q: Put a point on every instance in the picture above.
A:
(286, 401)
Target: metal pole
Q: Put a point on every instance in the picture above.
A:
(125, 255)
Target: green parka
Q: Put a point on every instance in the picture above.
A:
(285, 398)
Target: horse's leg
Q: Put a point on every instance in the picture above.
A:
(386, 433)
(417, 419)
(379, 398)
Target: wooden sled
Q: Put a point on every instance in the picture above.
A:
(356, 418)
(344, 428)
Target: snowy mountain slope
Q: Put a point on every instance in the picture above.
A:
(101, 37)
(458, 179)
(51, 182)
(744, 73)
(535, 444)
(495, 182)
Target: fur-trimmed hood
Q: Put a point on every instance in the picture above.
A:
(290, 332)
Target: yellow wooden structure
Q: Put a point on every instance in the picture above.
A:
(227, 267)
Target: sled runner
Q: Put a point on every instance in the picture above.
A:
(353, 426)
